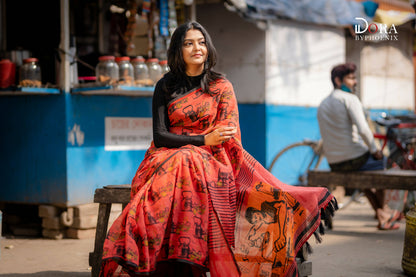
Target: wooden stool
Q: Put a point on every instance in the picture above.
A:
(106, 196)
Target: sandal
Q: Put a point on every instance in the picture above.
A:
(389, 226)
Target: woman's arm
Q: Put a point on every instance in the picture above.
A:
(161, 135)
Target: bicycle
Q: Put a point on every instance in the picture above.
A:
(292, 163)
(309, 155)
(400, 139)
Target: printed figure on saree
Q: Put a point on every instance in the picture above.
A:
(270, 219)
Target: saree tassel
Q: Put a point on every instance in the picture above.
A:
(321, 229)
(318, 237)
(308, 248)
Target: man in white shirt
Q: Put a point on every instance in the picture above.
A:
(348, 141)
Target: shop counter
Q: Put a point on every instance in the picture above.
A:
(58, 147)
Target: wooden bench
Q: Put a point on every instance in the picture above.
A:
(105, 196)
(378, 179)
(108, 195)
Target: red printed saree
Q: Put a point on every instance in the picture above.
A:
(213, 206)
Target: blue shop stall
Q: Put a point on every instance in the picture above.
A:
(73, 132)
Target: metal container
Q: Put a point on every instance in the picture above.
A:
(409, 249)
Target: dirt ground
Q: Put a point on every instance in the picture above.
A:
(354, 248)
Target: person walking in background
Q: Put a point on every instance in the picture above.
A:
(348, 141)
(199, 202)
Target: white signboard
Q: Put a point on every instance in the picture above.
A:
(128, 133)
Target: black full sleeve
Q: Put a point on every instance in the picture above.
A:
(161, 135)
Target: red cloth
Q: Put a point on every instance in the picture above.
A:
(212, 206)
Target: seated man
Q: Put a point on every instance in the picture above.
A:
(348, 141)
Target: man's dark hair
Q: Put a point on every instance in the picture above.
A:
(341, 71)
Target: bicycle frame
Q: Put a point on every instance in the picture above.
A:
(401, 146)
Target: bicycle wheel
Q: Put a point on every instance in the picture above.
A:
(292, 163)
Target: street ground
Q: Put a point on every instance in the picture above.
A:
(354, 248)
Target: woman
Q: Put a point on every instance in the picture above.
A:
(194, 196)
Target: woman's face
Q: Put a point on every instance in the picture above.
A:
(194, 52)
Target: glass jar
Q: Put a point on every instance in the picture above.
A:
(141, 72)
(30, 73)
(155, 70)
(126, 71)
(164, 66)
(107, 71)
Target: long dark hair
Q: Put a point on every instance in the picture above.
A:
(175, 58)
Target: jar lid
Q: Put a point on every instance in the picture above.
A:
(5, 61)
(30, 60)
(153, 60)
(106, 58)
(119, 59)
(138, 59)
(163, 62)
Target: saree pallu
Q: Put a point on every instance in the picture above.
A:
(215, 207)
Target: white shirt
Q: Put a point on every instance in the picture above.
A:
(344, 128)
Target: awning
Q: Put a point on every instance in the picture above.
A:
(390, 17)
(327, 12)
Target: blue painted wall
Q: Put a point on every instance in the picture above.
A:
(253, 128)
(89, 166)
(288, 124)
(32, 147)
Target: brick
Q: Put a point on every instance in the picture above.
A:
(113, 216)
(85, 222)
(51, 223)
(53, 234)
(86, 210)
(90, 221)
(73, 233)
(116, 208)
(48, 211)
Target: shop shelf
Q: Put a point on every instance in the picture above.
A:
(29, 91)
(114, 90)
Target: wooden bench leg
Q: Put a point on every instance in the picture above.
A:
(100, 234)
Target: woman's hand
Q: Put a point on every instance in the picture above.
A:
(220, 135)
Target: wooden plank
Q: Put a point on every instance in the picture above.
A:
(378, 179)
(112, 195)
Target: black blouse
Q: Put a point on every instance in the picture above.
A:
(167, 90)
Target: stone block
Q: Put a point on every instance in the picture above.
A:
(48, 211)
(90, 221)
(85, 222)
(116, 208)
(73, 233)
(86, 210)
(51, 223)
(53, 234)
